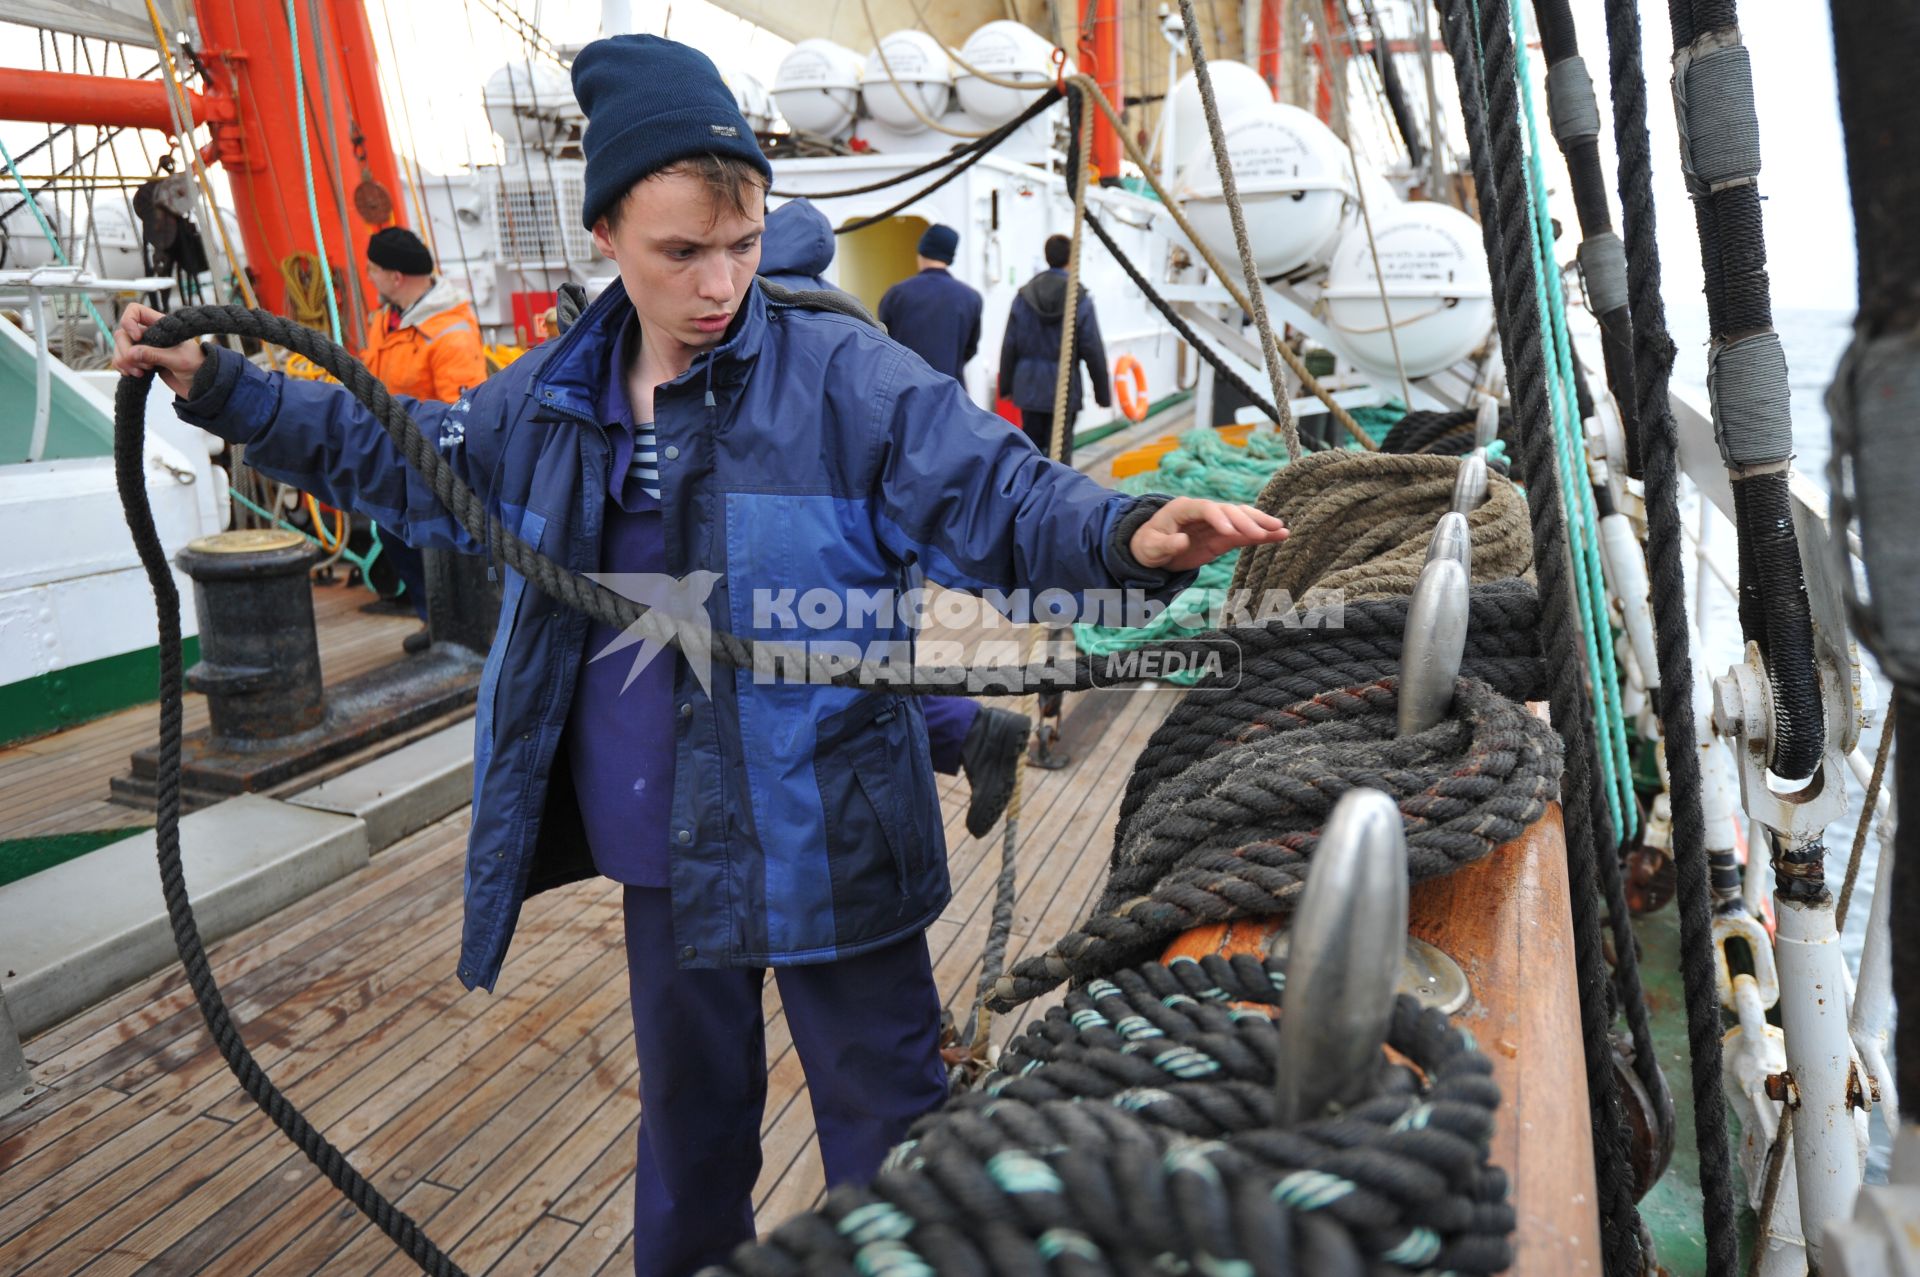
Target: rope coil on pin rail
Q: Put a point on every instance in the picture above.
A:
(1361, 523)
(1281, 666)
(1136, 1123)
(1232, 836)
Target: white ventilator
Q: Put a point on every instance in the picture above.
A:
(924, 74)
(1434, 270)
(817, 88)
(1294, 183)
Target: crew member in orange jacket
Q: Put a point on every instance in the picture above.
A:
(423, 341)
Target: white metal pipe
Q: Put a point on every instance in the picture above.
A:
(1826, 1148)
(42, 377)
(1627, 574)
(1873, 997)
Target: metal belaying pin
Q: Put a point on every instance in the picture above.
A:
(1343, 963)
(1470, 484)
(1452, 541)
(1435, 641)
(1486, 422)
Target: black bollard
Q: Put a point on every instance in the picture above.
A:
(259, 655)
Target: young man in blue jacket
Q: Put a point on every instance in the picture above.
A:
(686, 425)
(962, 734)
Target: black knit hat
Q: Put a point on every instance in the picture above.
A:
(650, 102)
(397, 248)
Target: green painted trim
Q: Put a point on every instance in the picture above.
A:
(1082, 438)
(24, 857)
(49, 702)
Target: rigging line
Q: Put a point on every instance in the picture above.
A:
(52, 239)
(500, 169)
(1256, 290)
(1436, 131)
(1299, 369)
(333, 158)
(390, 89)
(546, 162)
(880, 49)
(1179, 324)
(1577, 484)
(1366, 219)
(184, 131)
(242, 76)
(306, 168)
(1868, 807)
(1490, 112)
(507, 15)
(985, 77)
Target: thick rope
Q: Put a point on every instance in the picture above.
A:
(1660, 459)
(1223, 370)
(578, 592)
(1301, 372)
(1223, 167)
(1361, 523)
(1583, 521)
(1499, 164)
(1232, 836)
(966, 156)
(1132, 1130)
(130, 407)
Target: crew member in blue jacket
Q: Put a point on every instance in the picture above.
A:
(689, 435)
(931, 313)
(962, 734)
(1030, 351)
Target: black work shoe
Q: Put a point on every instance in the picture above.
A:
(417, 642)
(989, 755)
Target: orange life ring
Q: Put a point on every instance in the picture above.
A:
(1130, 388)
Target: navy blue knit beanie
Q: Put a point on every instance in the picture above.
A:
(939, 243)
(650, 102)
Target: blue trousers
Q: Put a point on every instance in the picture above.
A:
(948, 718)
(867, 1029)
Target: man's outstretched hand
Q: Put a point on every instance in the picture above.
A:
(1187, 532)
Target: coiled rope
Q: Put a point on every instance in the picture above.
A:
(1360, 524)
(1231, 835)
(1281, 666)
(1132, 1132)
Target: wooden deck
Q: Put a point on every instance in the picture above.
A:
(58, 784)
(504, 1123)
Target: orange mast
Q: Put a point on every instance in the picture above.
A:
(247, 103)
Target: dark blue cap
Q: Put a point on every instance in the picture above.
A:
(940, 243)
(648, 103)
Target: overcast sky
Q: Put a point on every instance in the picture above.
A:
(443, 51)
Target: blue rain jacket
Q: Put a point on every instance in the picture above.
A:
(806, 451)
